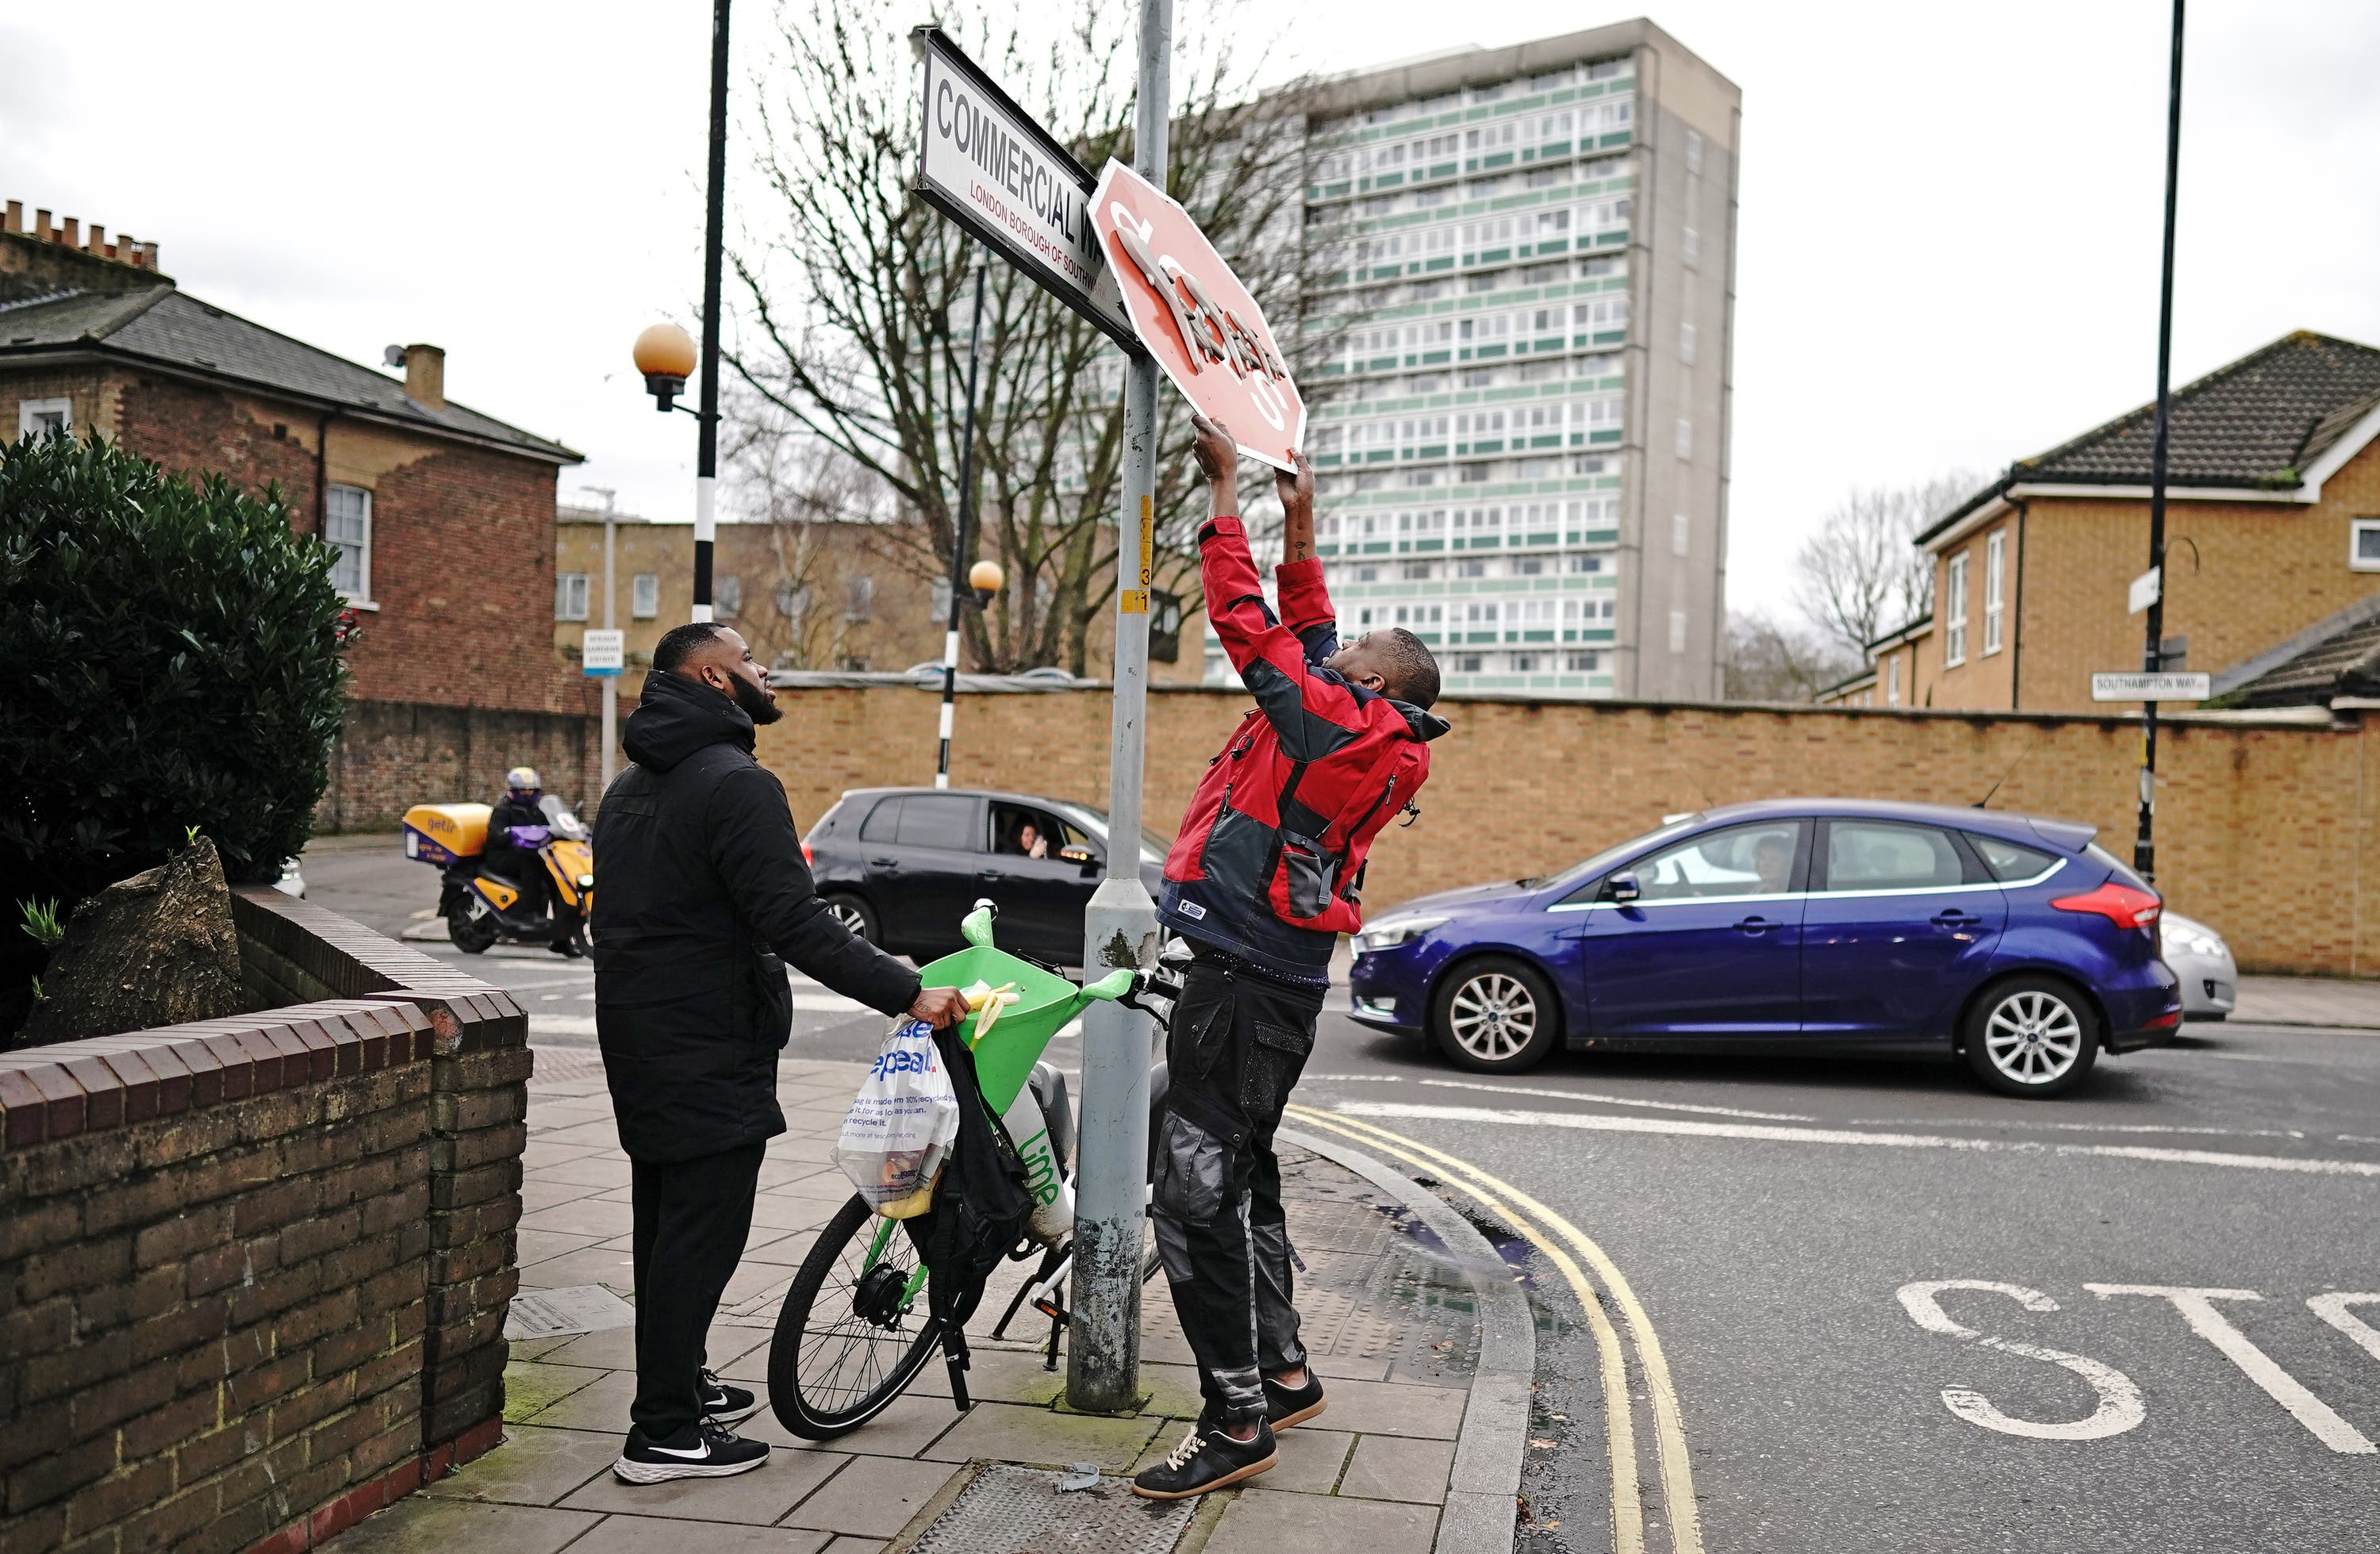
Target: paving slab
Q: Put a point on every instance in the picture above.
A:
(532, 1467)
(1271, 1522)
(758, 1499)
(531, 1384)
(424, 1524)
(647, 1534)
(1388, 1468)
(874, 1497)
(1014, 1433)
(907, 1426)
(1394, 1408)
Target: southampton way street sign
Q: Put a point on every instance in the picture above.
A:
(985, 163)
(1196, 318)
(2171, 686)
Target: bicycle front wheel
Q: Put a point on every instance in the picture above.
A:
(852, 1332)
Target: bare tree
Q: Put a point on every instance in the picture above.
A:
(809, 495)
(856, 297)
(1772, 661)
(1858, 576)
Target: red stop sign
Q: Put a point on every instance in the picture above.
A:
(1196, 318)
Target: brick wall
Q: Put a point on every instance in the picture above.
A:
(254, 1271)
(1521, 787)
(392, 756)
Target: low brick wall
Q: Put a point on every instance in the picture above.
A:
(2264, 828)
(254, 1271)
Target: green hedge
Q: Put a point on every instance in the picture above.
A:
(170, 654)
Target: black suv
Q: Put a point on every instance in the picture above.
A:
(900, 867)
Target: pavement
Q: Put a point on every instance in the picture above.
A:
(1394, 1317)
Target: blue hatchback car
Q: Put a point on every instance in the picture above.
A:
(1806, 925)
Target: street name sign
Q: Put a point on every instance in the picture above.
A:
(984, 162)
(1197, 319)
(2168, 686)
(602, 652)
(2145, 590)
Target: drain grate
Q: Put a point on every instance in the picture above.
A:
(1019, 1510)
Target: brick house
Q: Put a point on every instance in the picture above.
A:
(2273, 527)
(443, 517)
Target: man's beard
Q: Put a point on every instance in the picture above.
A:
(755, 703)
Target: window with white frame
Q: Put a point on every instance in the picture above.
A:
(1685, 438)
(1993, 553)
(1583, 664)
(1686, 343)
(44, 417)
(1954, 613)
(346, 525)
(570, 595)
(1681, 534)
(1677, 631)
(1693, 152)
(2364, 551)
(1892, 681)
(645, 596)
(1690, 246)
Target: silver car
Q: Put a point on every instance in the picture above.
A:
(2210, 979)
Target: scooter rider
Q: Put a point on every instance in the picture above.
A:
(1262, 881)
(517, 829)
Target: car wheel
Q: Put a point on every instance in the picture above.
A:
(856, 915)
(1495, 1016)
(2032, 1035)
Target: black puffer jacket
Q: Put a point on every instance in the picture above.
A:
(700, 887)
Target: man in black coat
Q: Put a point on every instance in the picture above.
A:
(701, 897)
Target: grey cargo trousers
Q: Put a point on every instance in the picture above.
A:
(1234, 1051)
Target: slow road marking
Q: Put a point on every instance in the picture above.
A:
(1501, 1198)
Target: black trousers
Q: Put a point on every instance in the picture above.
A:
(1236, 1047)
(691, 1221)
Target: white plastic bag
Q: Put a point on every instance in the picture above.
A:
(901, 1124)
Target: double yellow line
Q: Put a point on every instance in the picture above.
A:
(1558, 1239)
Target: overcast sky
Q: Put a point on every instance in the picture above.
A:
(1946, 256)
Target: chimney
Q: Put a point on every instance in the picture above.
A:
(74, 232)
(425, 376)
(14, 219)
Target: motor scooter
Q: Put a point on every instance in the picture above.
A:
(481, 908)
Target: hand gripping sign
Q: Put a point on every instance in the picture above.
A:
(1194, 317)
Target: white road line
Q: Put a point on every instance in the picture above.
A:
(1353, 1079)
(2331, 1308)
(1682, 1127)
(2077, 1128)
(2197, 1309)
(1622, 1100)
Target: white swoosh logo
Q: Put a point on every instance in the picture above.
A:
(698, 1452)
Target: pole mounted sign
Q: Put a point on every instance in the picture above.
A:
(2146, 590)
(2170, 686)
(601, 651)
(1197, 319)
(985, 163)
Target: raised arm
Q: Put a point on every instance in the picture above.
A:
(1310, 708)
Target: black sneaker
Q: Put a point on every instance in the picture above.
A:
(1206, 1459)
(1288, 1406)
(730, 1405)
(702, 1450)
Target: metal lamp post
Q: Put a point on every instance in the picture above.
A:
(961, 577)
(1120, 925)
(2153, 654)
(665, 356)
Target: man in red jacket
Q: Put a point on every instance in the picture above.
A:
(1262, 881)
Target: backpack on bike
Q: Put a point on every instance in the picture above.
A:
(982, 1204)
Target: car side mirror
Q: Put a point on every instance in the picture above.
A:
(1621, 888)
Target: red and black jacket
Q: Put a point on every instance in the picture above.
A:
(1272, 850)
